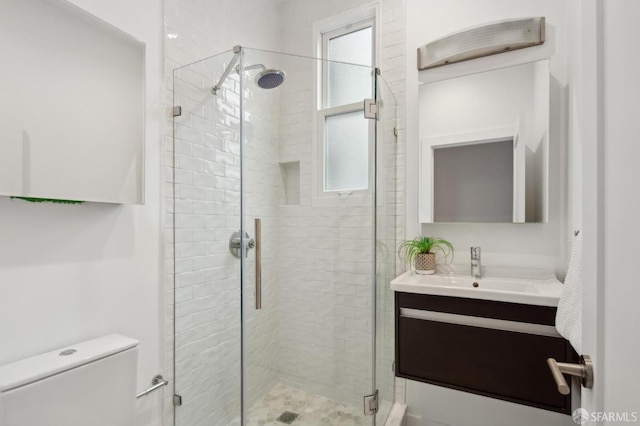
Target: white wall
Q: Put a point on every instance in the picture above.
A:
(622, 202)
(75, 272)
(202, 29)
(531, 245)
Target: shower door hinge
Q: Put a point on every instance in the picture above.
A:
(371, 109)
(393, 366)
(177, 111)
(177, 400)
(371, 404)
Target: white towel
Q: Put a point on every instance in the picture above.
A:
(569, 315)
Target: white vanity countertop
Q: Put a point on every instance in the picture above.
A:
(541, 289)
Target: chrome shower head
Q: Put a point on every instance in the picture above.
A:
(270, 78)
(266, 79)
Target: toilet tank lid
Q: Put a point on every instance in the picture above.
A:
(29, 370)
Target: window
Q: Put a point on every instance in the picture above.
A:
(346, 136)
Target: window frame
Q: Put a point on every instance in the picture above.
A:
(336, 33)
(342, 26)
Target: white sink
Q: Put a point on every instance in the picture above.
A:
(541, 291)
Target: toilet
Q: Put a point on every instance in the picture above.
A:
(92, 383)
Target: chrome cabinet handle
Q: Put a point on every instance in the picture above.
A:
(258, 231)
(584, 370)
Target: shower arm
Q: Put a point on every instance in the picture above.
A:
(225, 74)
(227, 71)
(233, 65)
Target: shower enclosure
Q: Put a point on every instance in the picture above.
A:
(284, 210)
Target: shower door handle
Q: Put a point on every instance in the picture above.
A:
(258, 231)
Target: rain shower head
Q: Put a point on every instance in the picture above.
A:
(266, 79)
(270, 79)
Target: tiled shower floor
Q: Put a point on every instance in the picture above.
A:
(312, 410)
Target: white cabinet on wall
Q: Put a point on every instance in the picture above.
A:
(72, 110)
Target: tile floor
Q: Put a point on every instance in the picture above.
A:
(312, 410)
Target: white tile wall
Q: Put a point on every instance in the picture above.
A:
(264, 193)
(207, 296)
(314, 330)
(351, 230)
(207, 205)
(325, 254)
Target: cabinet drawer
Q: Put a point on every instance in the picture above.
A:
(484, 360)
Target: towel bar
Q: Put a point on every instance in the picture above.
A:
(157, 382)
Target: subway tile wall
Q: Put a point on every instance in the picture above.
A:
(314, 330)
(326, 253)
(207, 207)
(297, 38)
(207, 212)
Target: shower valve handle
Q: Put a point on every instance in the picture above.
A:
(235, 244)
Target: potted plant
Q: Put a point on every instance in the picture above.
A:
(421, 252)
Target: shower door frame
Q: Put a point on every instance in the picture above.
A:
(244, 228)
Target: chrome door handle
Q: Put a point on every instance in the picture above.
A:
(584, 370)
(258, 230)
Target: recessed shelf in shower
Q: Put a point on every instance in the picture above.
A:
(290, 172)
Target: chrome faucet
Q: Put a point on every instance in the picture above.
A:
(476, 269)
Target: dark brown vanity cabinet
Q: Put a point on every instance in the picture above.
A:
(495, 349)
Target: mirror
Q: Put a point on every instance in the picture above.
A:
(484, 146)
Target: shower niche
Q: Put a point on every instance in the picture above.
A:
(291, 182)
(72, 114)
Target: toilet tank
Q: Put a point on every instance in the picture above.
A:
(91, 383)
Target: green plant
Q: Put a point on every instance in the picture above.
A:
(47, 200)
(409, 249)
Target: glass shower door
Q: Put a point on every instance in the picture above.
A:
(205, 179)
(308, 278)
(283, 238)
(388, 212)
